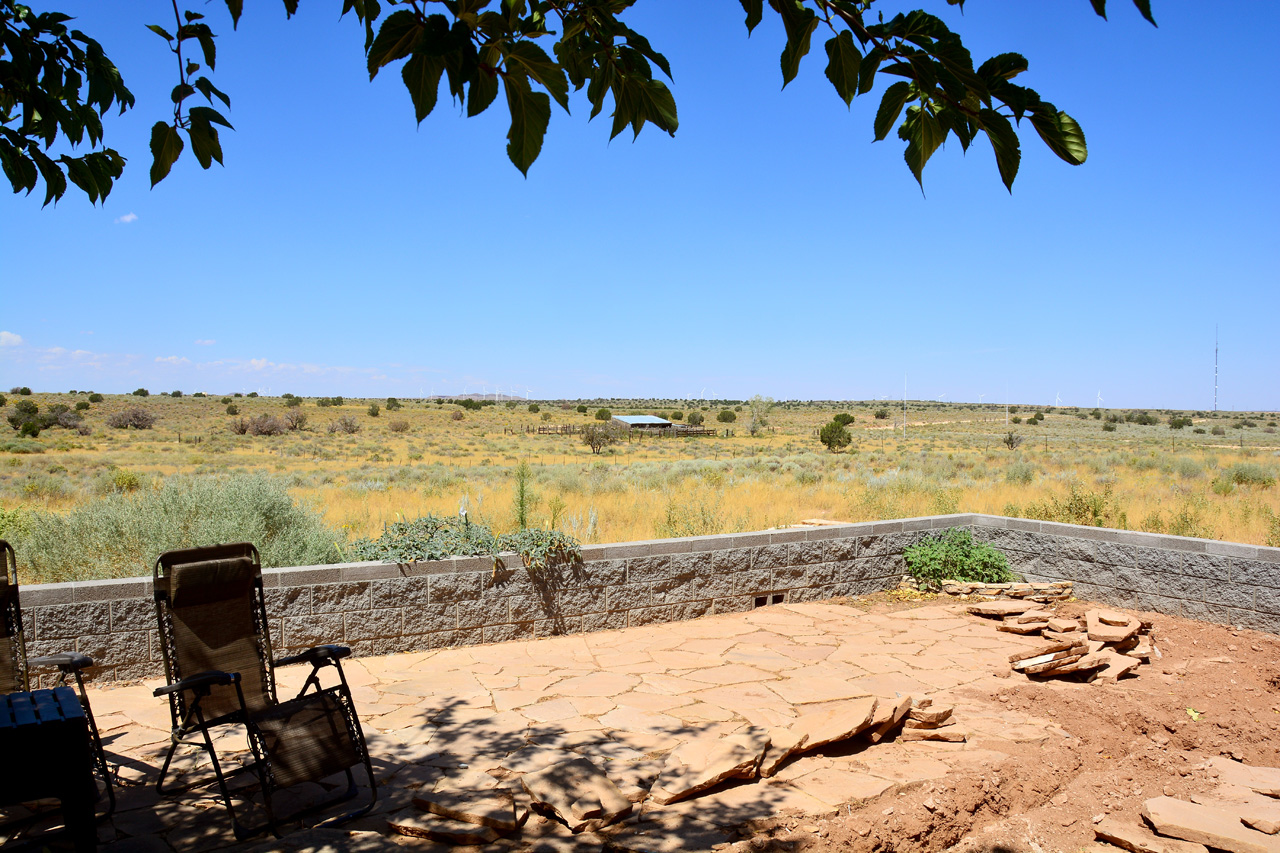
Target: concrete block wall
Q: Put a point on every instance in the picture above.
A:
(380, 608)
(1221, 582)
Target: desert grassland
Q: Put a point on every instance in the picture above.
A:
(951, 460)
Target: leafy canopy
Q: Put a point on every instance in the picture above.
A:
(55, 81)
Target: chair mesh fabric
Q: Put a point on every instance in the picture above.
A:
(9, 667)
(307, 738)
(11, 680)
(212, 604)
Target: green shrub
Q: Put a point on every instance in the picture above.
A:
(582, 410)
(603, 415)
(1092, 509)
(1250, 474)
(882, 414)
(1109, 427)
(955, 556)
(121, 535)
(1217, 430)
(233, 409)
(1198, 431)
(677, 415)
(81, 406)
(252, 394)
(432, 537)
(21, 445)
(398, 426)
(835, 436)
(142, 392)
(1179, 423)
(394, 405)
(726, 416)
(292, 401)
(843, 418)
(1020, 472)
(696, 419)
(534, 408)
(1017, 419)
(175, 394)
(374, 411)
(137, 417)
(199, 394)
(225, 400)
(23, 391)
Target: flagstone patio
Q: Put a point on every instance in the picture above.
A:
(470, 717)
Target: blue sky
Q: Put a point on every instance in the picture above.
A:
(769, 248)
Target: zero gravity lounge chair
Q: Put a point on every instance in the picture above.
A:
(16, 669)
(219, 668)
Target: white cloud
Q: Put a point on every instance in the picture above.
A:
(207, 343)
(127, 218)
(172, 359)
(9, 339)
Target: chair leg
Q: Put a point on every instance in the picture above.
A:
(99, 754)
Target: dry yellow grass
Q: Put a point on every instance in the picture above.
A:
(951, 460)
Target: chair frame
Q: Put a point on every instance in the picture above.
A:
(185, 693)
(69, 664)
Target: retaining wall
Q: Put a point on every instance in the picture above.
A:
(380, 608)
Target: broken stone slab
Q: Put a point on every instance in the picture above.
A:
(694, 767)
(1254, 810)
(1030, 616)
(1001, 608)
(1053, 666)
(932, 714)
(1021, 627)
(1046, 649)
(1206, 825)
(1049, 660)
(494, 808)
(1108, 633)
(1064, 636)
(1111, 617)
(913, 725)
(1264, 780)
(442, 829)
(1136, 838)
(1058, 623)
(888, 718)
(944, 735)
(1091, 661)
(560, 786)
(783, 743)
(837, 723)
(1117, 665)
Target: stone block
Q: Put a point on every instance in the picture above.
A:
(507, 582)
(1230, 595)
(446, 589)
(485, 611)
(753, 582)
(604, 572)
(133, 614)
(1173, 585)
(1255, 572)
(675, 590)
(110, 589)
(1114, 554)
(340, 597)
(771, 556)
(1206, 612)
(733, 604)
(369, 571)
(307, 576)
(648, 616)
(1207, 566)
(313, 630)
(836, 550)
(735, 560)
(1157, 560)
(785, 537)
(831, 531)
(373, 624)
(430, 618)
(47, 594)
(127, 648)
(583, 600)
(690, 610)
(456, 638)
(526, 608)
(401, 592)
(288, 601)
(791, 577)
(68, 621)
(606, 621)
(807, 553)
(647, 569)
(509, 631)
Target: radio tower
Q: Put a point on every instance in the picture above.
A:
(1215, 368)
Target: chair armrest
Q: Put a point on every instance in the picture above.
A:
(65, 661)
(212, 678)
(316, 656)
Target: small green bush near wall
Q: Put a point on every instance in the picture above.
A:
(955, 556)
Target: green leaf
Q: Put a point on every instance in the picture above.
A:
(211, 91)
(160, 31)
(55, 183)
(204, 143)
(923, 135)
(396, 39)
(843, 62)
(755, 11)
(209, 116)
(540, 67)
(530, 114)
(483, 90)
(166, 145)
(1100, 6)
(867, 70)
(895, 98)
(1061, 133)
(1004, 66)
(1144, 6)
(421, 75)
(235, 7)
(1004, 142)
(800, 22)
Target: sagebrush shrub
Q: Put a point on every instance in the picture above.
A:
(137, 417)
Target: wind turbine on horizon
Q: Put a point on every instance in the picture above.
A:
(1099, 399)
(1057, 399)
